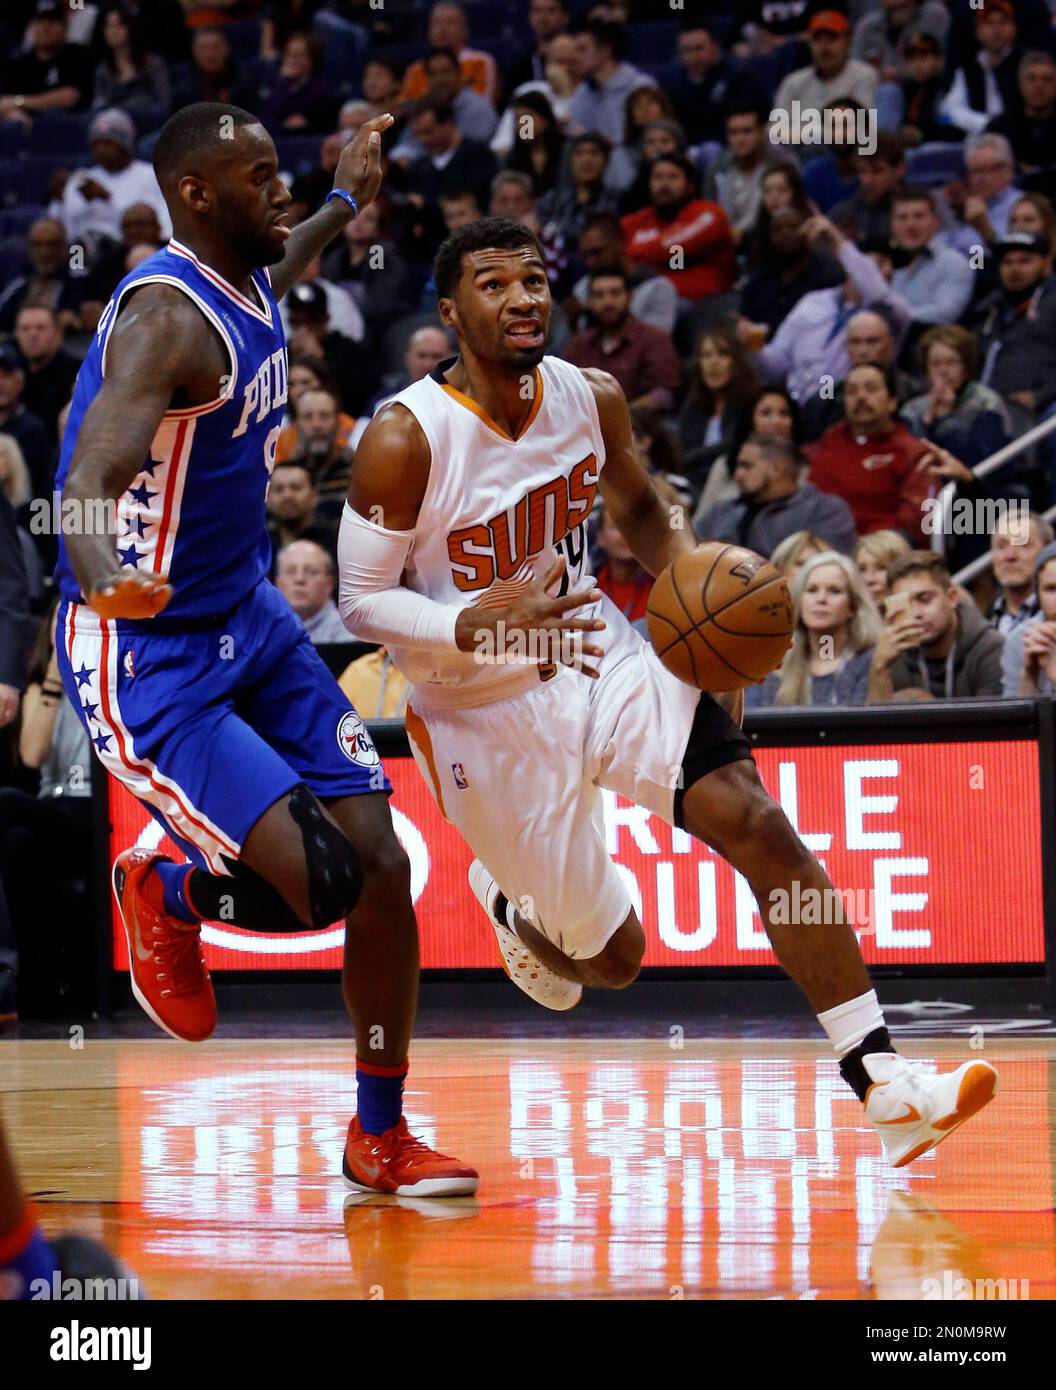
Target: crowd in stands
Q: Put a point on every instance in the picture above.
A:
(812, 241)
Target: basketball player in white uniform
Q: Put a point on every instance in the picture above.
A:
(463, 550)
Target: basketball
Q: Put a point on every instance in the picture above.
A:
(721, 617)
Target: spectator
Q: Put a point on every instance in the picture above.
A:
(49, 74)
(773, 503)
(341, 309)
(832, 178)
(451, 162)
(17, 488)
(1028, 663)
(832, 73)
(658, 449)
(867, 214)
(301, 99)
(14, 616)
(935, 281)
(874, 555)
(1016, 324)
(213, 73)
(458, 208)
(538, 146)
(871, 460)
(291, 505)
(127, 77)
(883, 37)
(836, 630)
(654, 299)
(352, 365)
(311, 375)
(305, 575)
(985, 86)
(599, 103)
(648, 108)
(555, 87)
(766, 26)
(641, 358)
(705, 83)
(619, 575)
(28, 432)
(1014, 548)
(910, 105)
(985, 203)
(95, 198)
(1032, 212)
(801, 254)
(48, 281)
(139, 227)
(329, 462)
(704, 263)
(381, 83)
(370, 267)
(427, 348)
(565, 210)
(548, 21)
(375, 687)
(512, 196)
(938, 640)
(1030, 125)
(449, 28)
(722, 390)
(868, 339)
(956, 411)
(309, 189)
(794, 552)
(735, 180)
(474, 115)
(49, 369)
(773, 415)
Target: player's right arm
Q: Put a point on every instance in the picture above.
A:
(159, 348)
(387, 487)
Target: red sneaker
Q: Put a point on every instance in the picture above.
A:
(398, 1162)
(169, 975)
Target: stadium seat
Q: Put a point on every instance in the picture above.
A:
(935, 163)
(59, 132)
(14, 137)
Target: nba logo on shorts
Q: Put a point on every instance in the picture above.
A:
(459, 773)
(355, 742)
(130, 663)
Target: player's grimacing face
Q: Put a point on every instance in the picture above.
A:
(503, 306)
(250, 198)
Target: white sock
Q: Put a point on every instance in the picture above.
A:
(847, 1024)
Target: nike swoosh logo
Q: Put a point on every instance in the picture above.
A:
(137, 939)
(911, 1114)
(372, 1170)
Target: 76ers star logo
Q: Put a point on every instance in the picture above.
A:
(355, 742)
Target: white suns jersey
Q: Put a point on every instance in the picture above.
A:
(493, 506)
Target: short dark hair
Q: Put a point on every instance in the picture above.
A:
(774, 446)
(610, 272)
(914, 193)
(500, 233)
(591, 137)
(928, 562)
(386, 61)
(441, 52)
(687, 166)
(188, 134)
(888, 373)
(606, 222)
(889, 148)
(443, 112)
(606, 34)
(744, 108)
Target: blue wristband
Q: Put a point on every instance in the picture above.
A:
(341, 193)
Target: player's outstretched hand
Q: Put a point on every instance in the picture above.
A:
(535, 625)
(132, 595)
(359, 166)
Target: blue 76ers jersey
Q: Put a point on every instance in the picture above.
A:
(195, 511)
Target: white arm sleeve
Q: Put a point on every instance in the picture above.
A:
(373, 604)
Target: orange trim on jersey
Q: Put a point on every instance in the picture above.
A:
(482, 414)
(419, 735)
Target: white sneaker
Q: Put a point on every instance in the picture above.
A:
(912, 1109)
(523, 966)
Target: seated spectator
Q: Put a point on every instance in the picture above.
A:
(548, 21)
(309, 374)
(95, 198)
(1028, 663)
(910, 104)
(933, 637)
(659, 138)
(773, 415)
(985, 201)
(381, 83)
(320, 449)
(49, 74)
(657, 448)
(474, 115)
(301, 99)
(128, 77)
(642, 359)
(1030, 125)
(291, 506)
(1016, 324)
(654, 299)
(50, 370)
(985, 86)
(29, 433)
(883, 36)
(1014, 548)
(832, 73)
(370, 267)
(874, 555)
(309, 189)
(794, 257)
(48, 280)
(794, 552)
(867, 214)
(342, 311)
(427, 348)
(451, 162)
(599, 102)
(512, 196)
(773, 503)
(934, 280)
(305, 575)
(16, 486)
(459, 208)
(1033, 213)
(871, 460)
(555, 87)
(565, 211)
(705, 83)
(352, 365)
(375, 687)
(763, 27)
(837, 627)
(619, 575)
(139, 227)
(735, 180)
(449, 28)
(645, 106)
(538, 146)
(213, 73)
(832, 178)
(722, 389)
(956, 411)
(704, 263)
(868, 338)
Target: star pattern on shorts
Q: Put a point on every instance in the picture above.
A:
(84, 676)
(102, 741)
(130, 556)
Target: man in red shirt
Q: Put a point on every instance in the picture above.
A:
(686, 238)
(872, 461)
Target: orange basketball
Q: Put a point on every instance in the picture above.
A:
(721, 617)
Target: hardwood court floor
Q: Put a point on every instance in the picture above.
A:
(610, 1168)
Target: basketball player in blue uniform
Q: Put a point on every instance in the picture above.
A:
(198, 686)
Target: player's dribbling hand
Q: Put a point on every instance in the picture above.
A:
(359, 165)
(133, 595)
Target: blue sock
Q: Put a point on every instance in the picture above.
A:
(173, 878)
(34, 1260)
(380, 1091)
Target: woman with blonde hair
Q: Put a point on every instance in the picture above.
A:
(874, 555)
(795, 550)
(837, 626)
